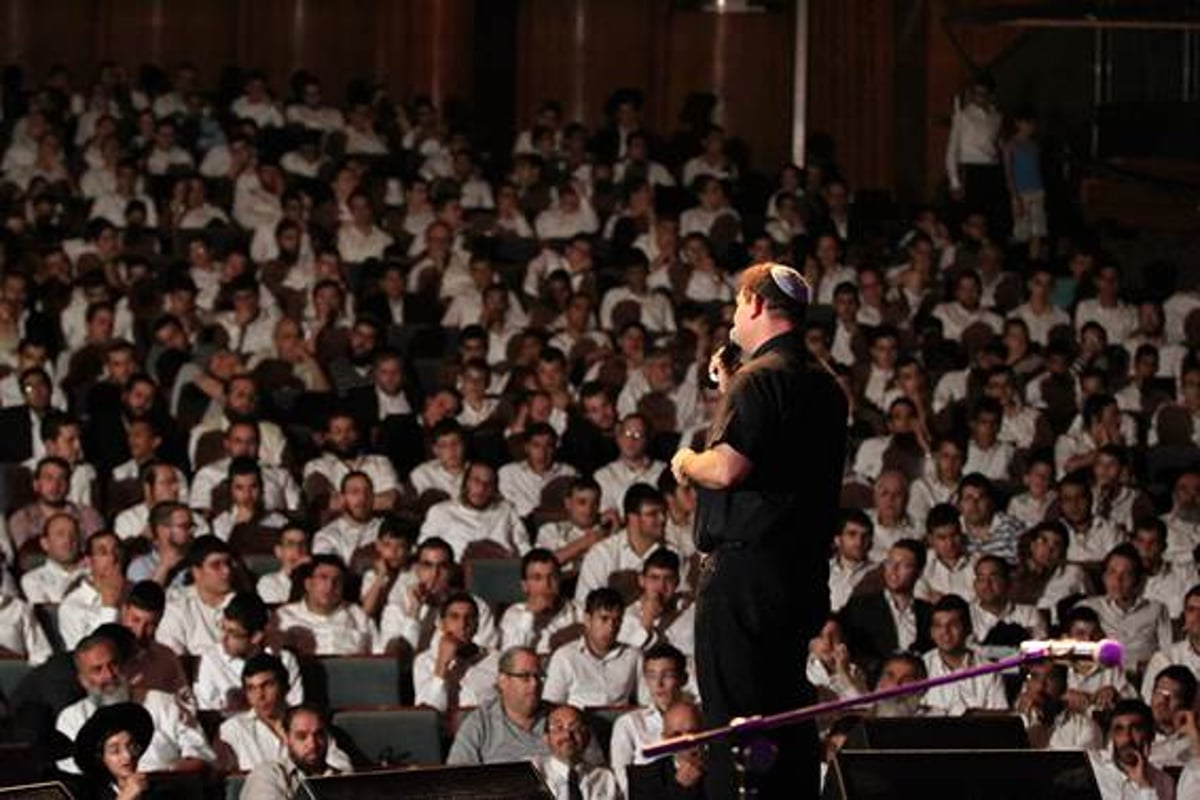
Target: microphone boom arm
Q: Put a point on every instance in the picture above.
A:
(745, 726)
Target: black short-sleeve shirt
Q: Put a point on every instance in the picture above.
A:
(787, 415)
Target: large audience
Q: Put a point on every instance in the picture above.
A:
(285, 375)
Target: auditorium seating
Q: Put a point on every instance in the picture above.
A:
(392, 736)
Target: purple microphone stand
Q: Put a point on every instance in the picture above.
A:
(749, 753)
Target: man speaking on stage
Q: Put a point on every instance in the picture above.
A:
(768, 485)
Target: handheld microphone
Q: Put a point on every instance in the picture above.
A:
(1106, 652)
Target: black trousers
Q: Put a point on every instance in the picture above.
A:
(751, 636)
(987, 193)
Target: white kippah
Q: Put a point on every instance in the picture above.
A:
(791, 283)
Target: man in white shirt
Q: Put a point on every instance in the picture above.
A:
(280, 491)
(986, 454)
(965, 311)
(21, 634)
(851, 561)
(50, 582)
(100, 667)
(1173, 695)
(1183, 520)
(992, 607)
(250, 328)
(191, 624)
(566, 773)
(356, 527)
(1038, 313)
(444, 472)
(322, 623)
(664, 674)
(1102, 424)
(889, 517)
(1123, 768)
(94, 599)
(1167, 582)
(256, 735)
(973, 149)
(902, 421)
(950, 626)
(522, 482)
(240, 402)
(632, 466)
(571, 215)
(343, 455)
(478, 514)
(410, 615)
(661, 613)
(360, 239)
(61, 437)
(596, 670)
(1118, 319)
(948, 568)
(220, 675)
(619, 557)
(655, 309)
(1092, 538)
(1045, 575)
(1142, 626)
(1185, 652)
(160, 483)
(570, 539)
(544, 617)
(454, 671)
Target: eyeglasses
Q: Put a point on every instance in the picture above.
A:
(633, 434)
(526, 676)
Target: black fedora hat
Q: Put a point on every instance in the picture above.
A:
(107, 721)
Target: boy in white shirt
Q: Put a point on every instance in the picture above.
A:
(851, 561)
(444, 472)
(291, 550)
(455, 671)
(596, 670)
(948, 569)
(50, 582)
(243, 637)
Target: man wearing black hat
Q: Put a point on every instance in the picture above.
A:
(100, 665)
(768, 487)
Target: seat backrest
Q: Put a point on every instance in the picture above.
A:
(12, 671)
(358, 681)
(393, 736)
(496, 580)
(233, 785)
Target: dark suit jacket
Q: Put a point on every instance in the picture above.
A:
(870, 632)
(16, 445)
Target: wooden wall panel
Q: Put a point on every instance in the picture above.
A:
(418, 46)
(746, 61)
(41, 33)
(425, 47)
(167, 33)
(850, 85)
(578, 51)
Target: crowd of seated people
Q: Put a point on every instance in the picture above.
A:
(282, 376)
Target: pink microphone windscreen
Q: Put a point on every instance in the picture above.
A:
(1109, 653)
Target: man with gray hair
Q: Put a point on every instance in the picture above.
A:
(101, 666)
(512, 726)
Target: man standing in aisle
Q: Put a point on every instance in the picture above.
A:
(768, 489)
